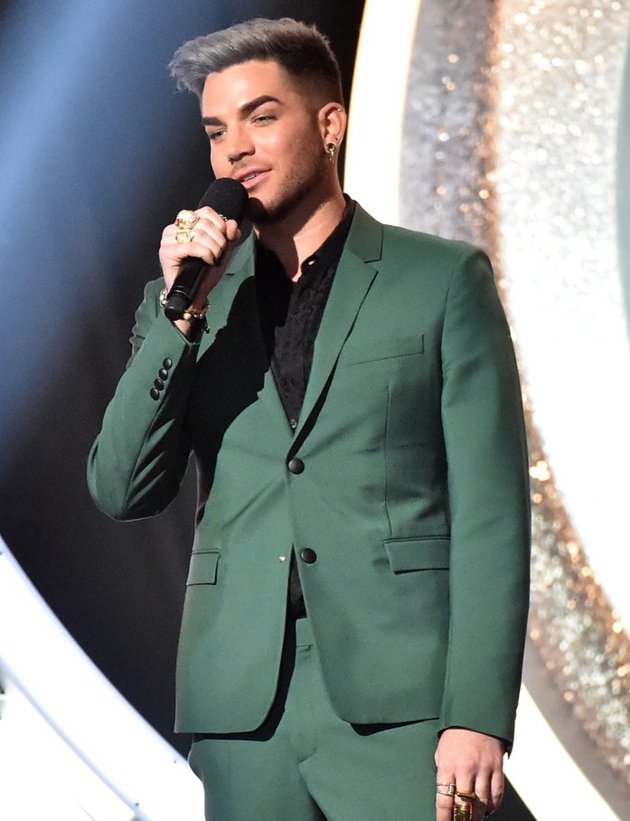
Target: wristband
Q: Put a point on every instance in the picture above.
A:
(190, 313)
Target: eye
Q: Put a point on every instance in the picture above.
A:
(213, 136)
(263, 119)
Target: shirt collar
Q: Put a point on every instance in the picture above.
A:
(329, 252)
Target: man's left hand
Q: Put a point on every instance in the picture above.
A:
(473, 762)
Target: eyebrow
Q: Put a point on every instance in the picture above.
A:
(244, 110)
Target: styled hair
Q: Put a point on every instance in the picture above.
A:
(301, 50)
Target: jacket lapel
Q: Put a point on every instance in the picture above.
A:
(353, 278)
(352, 281)
(241, 267)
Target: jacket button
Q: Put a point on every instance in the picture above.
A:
(308, 555)
(154, 393)
(158, 384)
(167, 363)
(163, 373)
(296, 465)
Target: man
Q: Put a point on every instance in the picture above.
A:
(357, 595)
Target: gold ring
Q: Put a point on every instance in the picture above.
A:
(451, 789)
(463, 811)
(468, 796)
(186, 220)
(184, 235)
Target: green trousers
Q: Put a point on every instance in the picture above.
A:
(304, 763)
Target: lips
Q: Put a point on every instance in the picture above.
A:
(251, 177)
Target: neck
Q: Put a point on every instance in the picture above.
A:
(294, 238)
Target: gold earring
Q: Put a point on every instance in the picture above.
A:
(331, 150)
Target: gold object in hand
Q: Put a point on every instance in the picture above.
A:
(186, 220)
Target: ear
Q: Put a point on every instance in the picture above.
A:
(332, 119)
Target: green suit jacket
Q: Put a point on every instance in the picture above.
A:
(413, 493)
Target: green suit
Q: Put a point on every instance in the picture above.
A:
(406, 478)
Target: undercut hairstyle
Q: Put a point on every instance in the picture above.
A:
(301, 50)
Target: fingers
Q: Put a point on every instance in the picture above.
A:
(488, 787)
(467, 802)
(481, 789)
(474, 763)
(444, 796)
(497, 788)
(456, 803)
(208, 216)
(208, 239)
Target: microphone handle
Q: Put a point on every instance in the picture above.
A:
(184, 288)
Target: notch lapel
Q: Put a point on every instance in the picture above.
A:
(352, 282)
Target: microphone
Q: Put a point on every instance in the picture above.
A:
(229, 199)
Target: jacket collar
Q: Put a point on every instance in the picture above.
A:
(355, 273)
(365, 241)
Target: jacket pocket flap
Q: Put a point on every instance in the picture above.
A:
(203, 567)
(418, 554)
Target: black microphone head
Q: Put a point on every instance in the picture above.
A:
(227, 197)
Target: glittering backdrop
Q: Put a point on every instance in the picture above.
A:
(509, 142)
(623, 185)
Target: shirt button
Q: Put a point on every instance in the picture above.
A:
(167, 363)
(308, 555)
(154, 393)
(158, 384)
(296, 465)
(163, 373)
(292, 424)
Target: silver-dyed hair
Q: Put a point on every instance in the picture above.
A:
(301, 50)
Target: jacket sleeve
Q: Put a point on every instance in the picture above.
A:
(486, 450)
(139, 458)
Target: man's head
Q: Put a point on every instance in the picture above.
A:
(301, 50)
(271, 106)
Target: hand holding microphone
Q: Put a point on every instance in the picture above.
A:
(192, 249)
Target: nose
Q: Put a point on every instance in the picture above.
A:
(238, 145)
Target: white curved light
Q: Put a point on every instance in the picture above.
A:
(379, 95)
(65, 788)
(45, 666)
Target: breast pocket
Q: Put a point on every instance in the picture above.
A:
(424, 553)
(378, 350)
(203, 567)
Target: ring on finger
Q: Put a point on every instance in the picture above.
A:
(462, 809)
(184, 235)
(450, 791)
(186, 220)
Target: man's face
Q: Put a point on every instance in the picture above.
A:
(265, 132)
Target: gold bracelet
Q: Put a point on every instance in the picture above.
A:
(189, 313)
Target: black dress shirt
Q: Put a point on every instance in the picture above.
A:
(290, 314)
